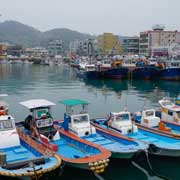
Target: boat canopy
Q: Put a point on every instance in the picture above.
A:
(37, 103)
(3, 95)
(73, 102)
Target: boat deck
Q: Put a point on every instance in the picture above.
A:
(111, 144)
(159, 140)
(71, 150)
(18, 153)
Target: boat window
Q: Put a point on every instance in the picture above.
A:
(170, 112)
(149, 113)
(178, 113)
(42, 112)
(80, 119)
(122, 117)
(44, 122)
(167, 103)
(7, 124)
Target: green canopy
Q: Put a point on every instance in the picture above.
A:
(73, 102)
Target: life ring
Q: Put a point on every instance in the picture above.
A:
(2, 113)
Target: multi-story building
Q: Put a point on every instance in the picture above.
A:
(15, 50)
(131, 45)
(73, 46)
(55, 47)
(108, 43)
(81, 47)
(157, 37)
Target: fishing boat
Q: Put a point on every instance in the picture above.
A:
(145, 72)
(117, 71)
(77, 122)
(170, 115)
(86, 71)
(151, 129)
(21, 156)
(171, 70)
(75, 151)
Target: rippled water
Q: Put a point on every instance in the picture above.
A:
(54, 83)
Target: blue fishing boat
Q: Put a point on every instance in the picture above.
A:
(21, 156)
(151, 129)
(77, 122)
(144, 129)
(75, 151)
(145, 73)
(89, 71)
(116, 73)
(171, 70)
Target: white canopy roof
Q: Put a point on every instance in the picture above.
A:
(36, 103)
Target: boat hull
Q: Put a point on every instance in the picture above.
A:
(172, 74)
(127, 155)
(159, 151)
(144, 73)
(116, 73)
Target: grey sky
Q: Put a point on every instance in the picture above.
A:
(123, 17)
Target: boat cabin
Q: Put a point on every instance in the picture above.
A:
(122, 121)
(169, 111)
(89, 67)
(8, 133)
(149, 118)
(103, 65)
(40, 121)
(76, 117)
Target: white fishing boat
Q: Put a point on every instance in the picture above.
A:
(21, 156)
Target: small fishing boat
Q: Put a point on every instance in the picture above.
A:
(170, 115)
(151, 129)
(77, 122)
(73, 150)
(21, 156)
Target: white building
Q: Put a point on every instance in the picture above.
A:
(55, 47)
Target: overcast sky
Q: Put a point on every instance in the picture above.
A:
(123, 17)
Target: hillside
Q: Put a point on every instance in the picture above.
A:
(18, 33)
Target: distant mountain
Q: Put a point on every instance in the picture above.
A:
(18, 33)
(66, 35)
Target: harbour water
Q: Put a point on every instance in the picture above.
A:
(23, 81)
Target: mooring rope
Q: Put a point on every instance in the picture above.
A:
(98, 176)
(150, 166)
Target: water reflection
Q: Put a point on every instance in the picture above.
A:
(23, 82)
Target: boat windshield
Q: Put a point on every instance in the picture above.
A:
(149, 113)
(42, 112)
(6, 124)
(122, 117)
(178, 113)
(80, 119)
(167, 103)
